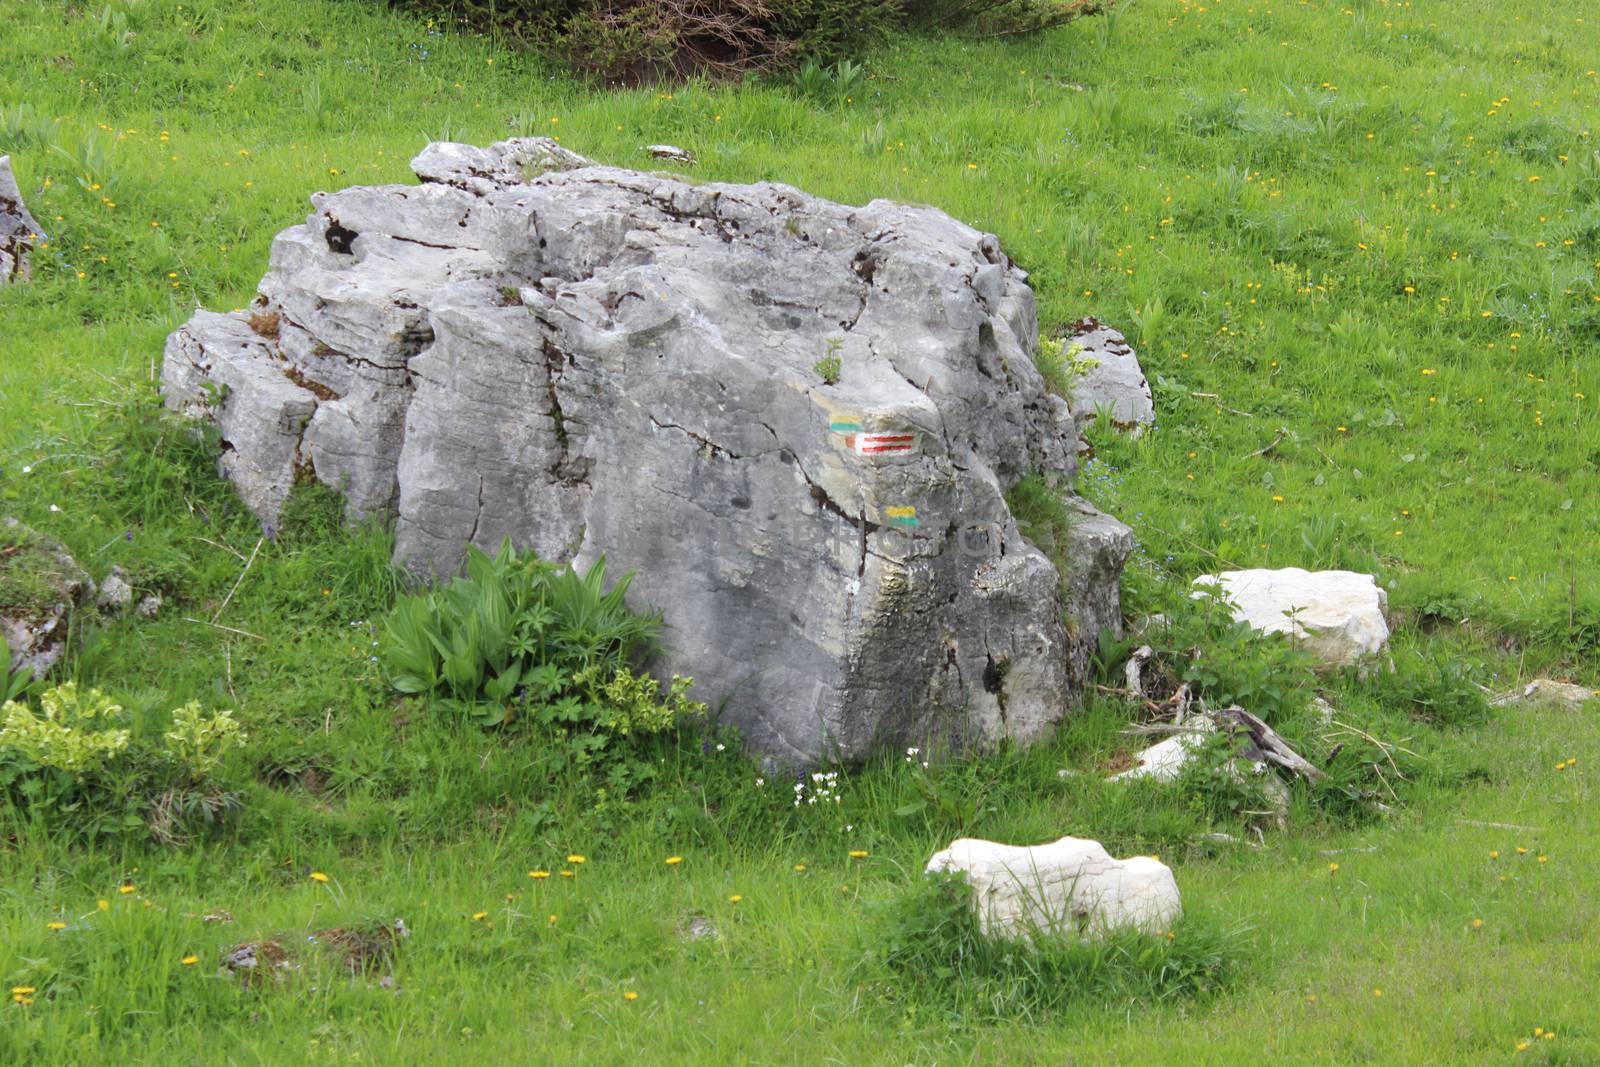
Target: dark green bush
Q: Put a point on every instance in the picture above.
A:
(631, 41)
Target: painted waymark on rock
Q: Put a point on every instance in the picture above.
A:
(885, 444)
(904, 515)
(891, 443)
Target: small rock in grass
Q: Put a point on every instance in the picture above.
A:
(1165, 760)
(671, 153)
(1071, 889)
(1545, 691)
(1338, 616)
(115, 592)
(150, 606)
(41, 585)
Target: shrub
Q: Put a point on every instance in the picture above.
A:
(1230, 662)
(635, 41)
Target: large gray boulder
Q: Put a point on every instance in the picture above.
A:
(18, 230)
(590, 360)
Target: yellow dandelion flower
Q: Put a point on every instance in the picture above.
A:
(576, 859)
(55, 926)
(539, 874)
(859, 853)
(673, 861)
(630, 995)
(479, 916)
(568, 873)
(1494, 853)
(1544, 859)
(799, 868)
(22, 990)
(1477, 924)
(735, 899)
(1333, 868)
(1521, 851)
(318, 876)
(1377, 992)
(190, 960)
(1523, 1046)
(126, 889)
(552, 920)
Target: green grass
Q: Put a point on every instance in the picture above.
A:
(1318, 214)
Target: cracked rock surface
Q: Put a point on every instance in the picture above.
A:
(590, 360)
(18, 230)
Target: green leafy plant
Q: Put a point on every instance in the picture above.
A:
(200, 741)
(513, 626)
(79, 762)
(830, 366)
(13, 683)
(952, 797)
(834, 84)
(1433, 685)
(73, 732)
(1229, 662)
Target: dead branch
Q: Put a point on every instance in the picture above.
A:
(1273, 748)
(1220, 404)
(1283, 431)
(224, 607)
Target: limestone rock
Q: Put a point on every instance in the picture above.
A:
(1545, 691)
(1070, 888)
(41, 587)
(1166, 760)
(18, 230)
(1112, 380)
(115, 592)
(1337, 615)
(590, 360)
(671, 153)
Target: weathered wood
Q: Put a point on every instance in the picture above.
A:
(1272, 748)
(1133, 670)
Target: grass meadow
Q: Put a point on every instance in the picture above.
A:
(1357, 245)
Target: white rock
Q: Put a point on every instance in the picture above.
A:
(1337, 615)
(1165, 760)
(1070, 888)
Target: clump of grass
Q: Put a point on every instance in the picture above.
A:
(1044, 518)
(942, 964)
(32, 572)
